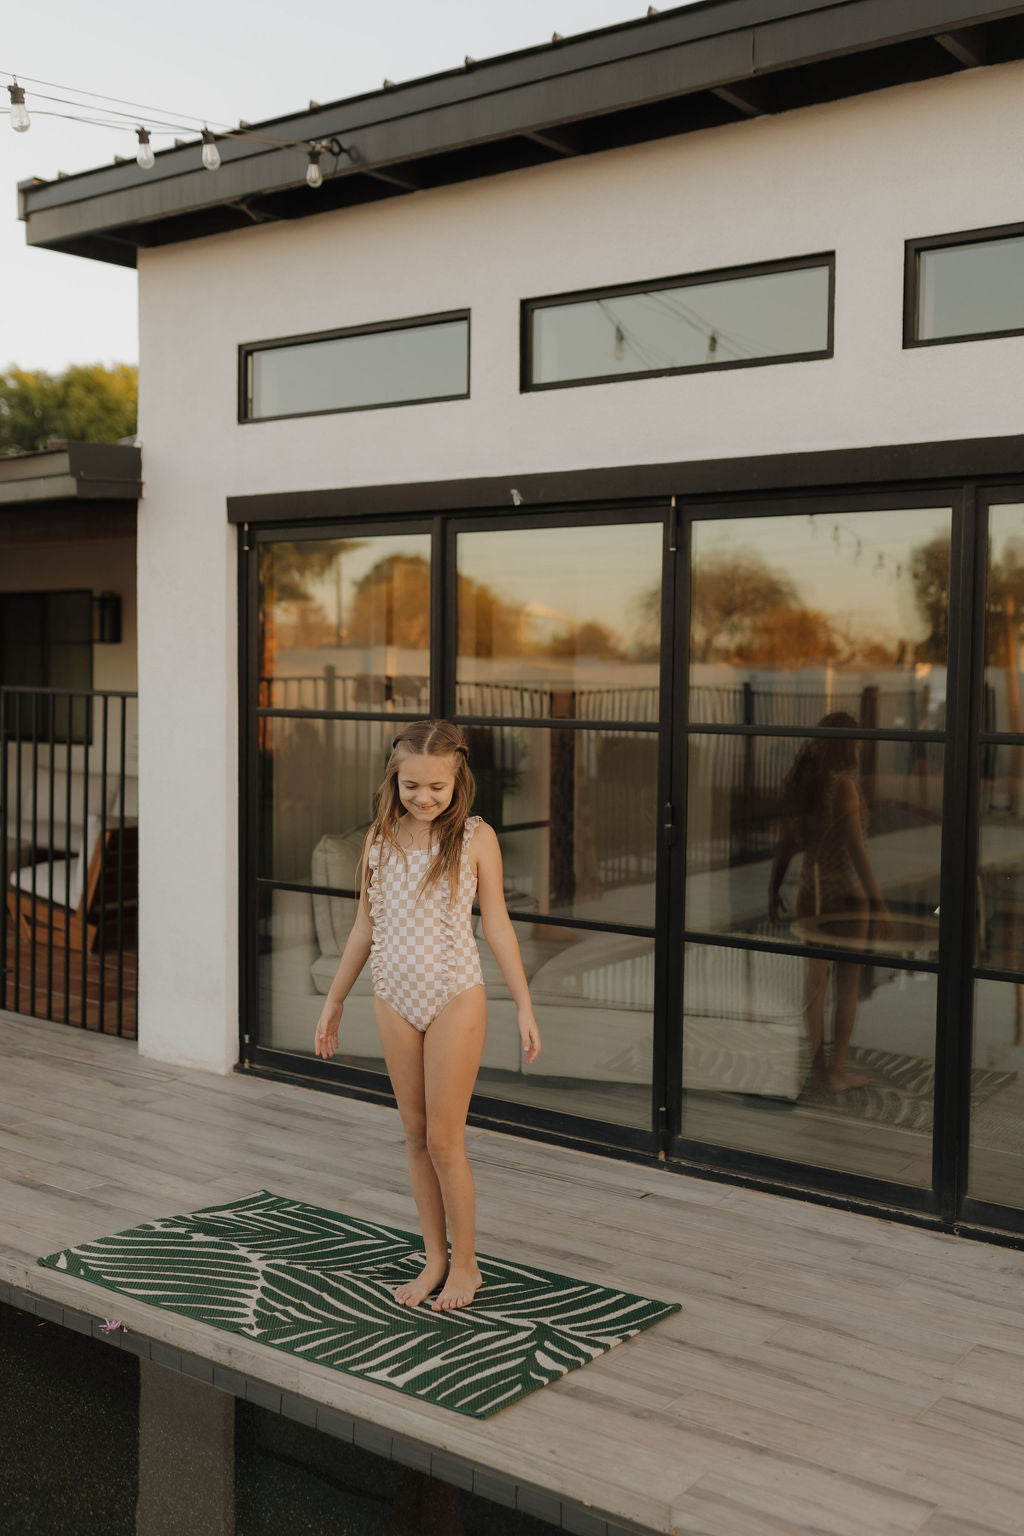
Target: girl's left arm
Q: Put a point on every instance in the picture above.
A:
(501, 936)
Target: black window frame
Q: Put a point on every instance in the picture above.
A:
(80, 728)
(911, 282)
(248, 349)
(528, 307)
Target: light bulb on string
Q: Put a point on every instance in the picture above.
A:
(314, 175)
(145, 159)
(211, 154)
(20, 120)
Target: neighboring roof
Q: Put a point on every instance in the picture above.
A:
(697, 66)
(72, 472)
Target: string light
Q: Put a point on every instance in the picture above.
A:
(145, 159)
(159, 122)
(20, 120)
(211, 154)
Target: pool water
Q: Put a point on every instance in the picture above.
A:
(96, 1442)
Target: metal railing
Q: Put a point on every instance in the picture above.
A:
(69, 836)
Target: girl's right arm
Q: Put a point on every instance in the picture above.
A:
(849, 809)
(354, 957)
(784, 851)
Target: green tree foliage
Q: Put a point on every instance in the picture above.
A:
(87, 403)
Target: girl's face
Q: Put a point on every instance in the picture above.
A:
(426, 784)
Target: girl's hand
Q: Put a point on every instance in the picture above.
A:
(326, 1040)
(530, 1036)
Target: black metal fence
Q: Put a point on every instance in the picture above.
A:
(69, 836)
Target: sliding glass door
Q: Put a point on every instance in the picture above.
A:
(757, 772)
(557, 683)
(995, 1165)
(813, 761)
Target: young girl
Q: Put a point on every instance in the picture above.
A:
(423, 860)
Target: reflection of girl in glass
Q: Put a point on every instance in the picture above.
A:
(824, 817)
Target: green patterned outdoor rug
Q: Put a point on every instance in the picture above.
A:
(319, 1285)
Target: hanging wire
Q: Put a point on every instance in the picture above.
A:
(158, 120)
(138, 106)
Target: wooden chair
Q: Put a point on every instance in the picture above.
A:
(113, 854)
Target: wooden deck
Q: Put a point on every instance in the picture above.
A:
(42, 996)
(829, 1373)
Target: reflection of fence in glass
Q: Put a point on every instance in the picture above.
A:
(334, 690)
(594, 792)
(519, 701)
(623, 781)
(908, 708)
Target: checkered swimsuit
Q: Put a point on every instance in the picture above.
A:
(423, 952)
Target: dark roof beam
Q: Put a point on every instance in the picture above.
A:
(564, 140)
(404, 182)
(746, 97)
(257, 215)
(969, 46)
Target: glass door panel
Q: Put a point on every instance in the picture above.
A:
(769, 813)
(996, 1160)
(593, 994)
(576, 814)
(560, 624)
(833, 623)
(997, 1094)
(797, 618)
(752, 1024)
(343, 645)
(345, 623)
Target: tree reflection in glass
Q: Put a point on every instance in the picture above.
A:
(794, 616)
(560, 622)
(344, 624)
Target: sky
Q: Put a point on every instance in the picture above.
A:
(221, 60)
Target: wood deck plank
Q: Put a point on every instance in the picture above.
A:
(829, 1373)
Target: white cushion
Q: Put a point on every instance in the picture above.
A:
(335, 861)
(50, 881)
(36, 880)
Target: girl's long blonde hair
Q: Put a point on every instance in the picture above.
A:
(435, 738)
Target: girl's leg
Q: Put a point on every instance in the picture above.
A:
(847, 999)
(815, 987)
(452, 1048)
(403, 1053)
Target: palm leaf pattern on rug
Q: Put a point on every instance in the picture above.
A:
(319, 1285)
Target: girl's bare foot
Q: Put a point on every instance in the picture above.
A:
(842, 1082)
(461, 1286)
(428, 1279)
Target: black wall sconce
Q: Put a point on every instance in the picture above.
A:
(106, 618)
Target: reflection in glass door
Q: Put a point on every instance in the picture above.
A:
(550, 658)
(996, 1163)
(557, 683)
(343, 646)
(815, 767)
(782, 964)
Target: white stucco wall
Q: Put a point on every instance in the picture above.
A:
(858, 177)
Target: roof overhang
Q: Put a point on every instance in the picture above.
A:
(696, 67)
(70, 493)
